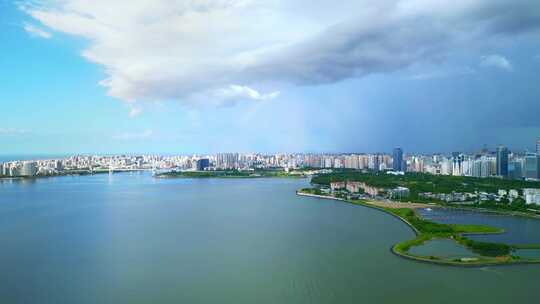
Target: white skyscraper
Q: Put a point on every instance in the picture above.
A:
(29, 168)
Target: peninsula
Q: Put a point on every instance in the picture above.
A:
(386, 192)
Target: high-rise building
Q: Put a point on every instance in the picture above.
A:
(363, 161)
(515, 170)
(397, 162)
(538, 147)
(531, 166)
(58, 165)
(351, 162)
(416, 164)
(446, 166)
(28, 168)
(6, 170)
(502, 161)
(202, 164)
(338, 163)
(467, 166)
(386, 161)
(227, 160)
(374, 162)
(484, 166)
(328, 162)
(457, 163)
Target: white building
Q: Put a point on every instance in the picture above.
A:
(328, 162)
(513, 193)
(354, 187)
(399, 192)
(446, 167)
(532, 196)
(28, 168)
(337, 185)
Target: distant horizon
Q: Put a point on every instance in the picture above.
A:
(389, 152)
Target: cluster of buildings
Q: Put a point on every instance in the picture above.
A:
(26, 168)
(361, 187)
(530, 195)
(501, 162)
(95, 163)
(48, 167)
(221, 161)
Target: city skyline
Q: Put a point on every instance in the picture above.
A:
(70, 87)
(502, 163)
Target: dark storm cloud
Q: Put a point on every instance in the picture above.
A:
(393, 38)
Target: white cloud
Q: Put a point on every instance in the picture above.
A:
(36, 31)
(134, 111)
(186, 50)
(496, 61)
(134, 135)
(244, 92)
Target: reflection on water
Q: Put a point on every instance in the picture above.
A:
(443, 248)
(528, 253)
(518, 230)
(18, 180)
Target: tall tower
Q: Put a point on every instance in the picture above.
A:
(531, 166)
(502, 161)
(397, 162)
(538, 147)
(374, 162)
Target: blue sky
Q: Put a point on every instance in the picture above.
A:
(268, 76)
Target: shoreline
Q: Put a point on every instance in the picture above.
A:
(75, 173)
(233, 175)
(417, 233)
(225, 177)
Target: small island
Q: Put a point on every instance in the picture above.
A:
(387, 192)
